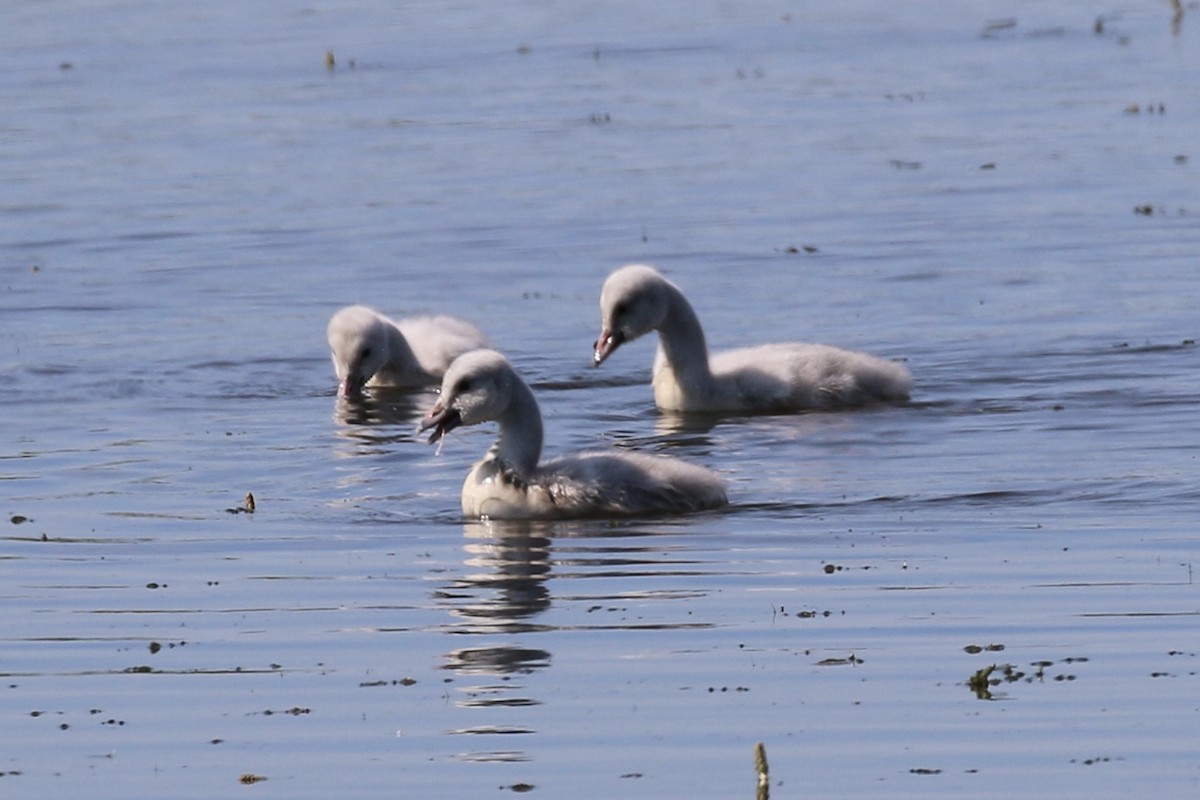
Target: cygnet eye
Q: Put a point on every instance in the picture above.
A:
(620, 308)
(463, 385)
(364, 354)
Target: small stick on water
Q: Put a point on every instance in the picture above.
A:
(764, 776)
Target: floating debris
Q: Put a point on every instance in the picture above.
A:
(247, 506)
(980, 682)
(987, 678)
(250, 778)
(851, 660)
(393, 682)
(295, 711)
(1149, 108)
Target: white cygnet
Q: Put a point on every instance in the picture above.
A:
(510, 483)
(369, 349)
(637, 299)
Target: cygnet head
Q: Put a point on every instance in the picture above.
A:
(633, 302)
(476, 388)
(358, 343)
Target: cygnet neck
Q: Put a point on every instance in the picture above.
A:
(519, 446)
(397, 351)
(682, 344)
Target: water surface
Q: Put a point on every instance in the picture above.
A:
(1002, 194)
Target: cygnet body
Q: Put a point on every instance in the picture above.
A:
(511, 482)
(369, 349)
(637, 299)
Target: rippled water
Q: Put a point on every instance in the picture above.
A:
(1003, 194)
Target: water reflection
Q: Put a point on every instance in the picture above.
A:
(503, 588)
(510, 563)
(373, 424)
(693, 430)
(380, 407)
(501, 659)
(506, 586)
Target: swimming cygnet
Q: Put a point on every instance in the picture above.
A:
(369, 349)
(509, 483)
(637, 299)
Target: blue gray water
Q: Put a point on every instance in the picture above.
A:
(1002, 194)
